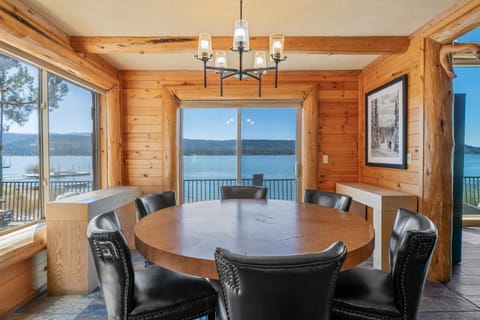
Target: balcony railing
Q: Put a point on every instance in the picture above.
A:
(209, 189)
(471, 190)
(23, 196)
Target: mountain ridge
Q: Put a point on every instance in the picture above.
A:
(79, 143)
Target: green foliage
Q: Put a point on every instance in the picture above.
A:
(19, 95)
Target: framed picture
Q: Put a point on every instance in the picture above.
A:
(386, 125)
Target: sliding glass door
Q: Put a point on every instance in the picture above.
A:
(238, 146)
(268, 151)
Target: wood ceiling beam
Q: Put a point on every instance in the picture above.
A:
(23, 30)
(169, 44)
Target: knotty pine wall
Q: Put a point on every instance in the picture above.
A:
(429, 124)
(144, 156)
(373, 76)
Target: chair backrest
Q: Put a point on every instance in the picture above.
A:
(412, 243)
(257, 179)
(113, 264)
(149, 203)
(279, 287)
(243, 192)
(328, 199)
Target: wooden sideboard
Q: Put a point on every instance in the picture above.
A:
(71, 269)
(385, 203)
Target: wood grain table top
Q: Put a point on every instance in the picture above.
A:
(184, 237)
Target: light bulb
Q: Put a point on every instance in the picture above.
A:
(240, 35)
(221, 61)
(204, 44)
(277, 48)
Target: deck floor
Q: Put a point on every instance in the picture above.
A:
(457, 300)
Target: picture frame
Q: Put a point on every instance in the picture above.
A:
(386, 125)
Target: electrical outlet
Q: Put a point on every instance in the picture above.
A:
(409, 158)
(325, 158)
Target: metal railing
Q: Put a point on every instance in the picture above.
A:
(23, 196)
(471, 190)
(209, 189)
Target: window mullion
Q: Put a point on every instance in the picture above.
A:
(239, 146)
(44, 141)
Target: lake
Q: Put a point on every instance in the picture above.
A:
(471, 165)
(224, 167)
(19, 165)
(194, 167)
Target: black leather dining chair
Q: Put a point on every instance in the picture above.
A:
(328, 199)
(279, 287)
(365, 293)
(149, 203)
(150, 293)
(243, 192)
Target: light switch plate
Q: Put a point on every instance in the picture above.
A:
(325, 158)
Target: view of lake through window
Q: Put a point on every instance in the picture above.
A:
(69, 121)
(238, 146)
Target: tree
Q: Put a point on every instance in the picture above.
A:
(19, 97)
(375, 128)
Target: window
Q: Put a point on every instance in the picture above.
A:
(243, 146)
(58, 140)
(71, 137)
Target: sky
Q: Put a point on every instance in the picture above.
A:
(468, 82)
(257, 123)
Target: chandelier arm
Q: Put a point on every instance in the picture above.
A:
(276, 73)
(240, 53)
(260, 86)
(253, 76)
(221, 70)
(229, 75)
(259, 70)
(205, 73)
(221, 84)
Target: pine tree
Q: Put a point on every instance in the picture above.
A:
(396, 128)
(19, 97)
(375, 130)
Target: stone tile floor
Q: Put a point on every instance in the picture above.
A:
(458, 299)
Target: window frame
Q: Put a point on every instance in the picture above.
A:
(43, 131)
(238, 106)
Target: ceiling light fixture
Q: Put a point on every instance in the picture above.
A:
(241, 44)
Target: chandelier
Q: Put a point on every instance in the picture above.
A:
(241, 44)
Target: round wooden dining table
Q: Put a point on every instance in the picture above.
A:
(184, 237)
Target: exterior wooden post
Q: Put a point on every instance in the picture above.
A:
(438, 150)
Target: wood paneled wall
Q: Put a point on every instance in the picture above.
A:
(378, 73)
(22, 281)
(429, 121)
(145, 154)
